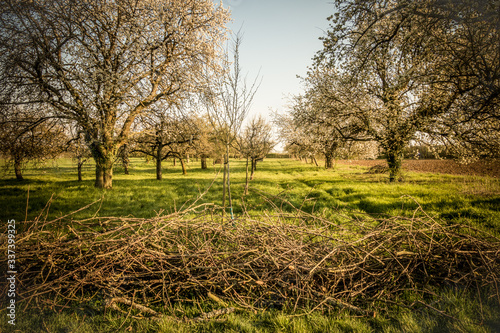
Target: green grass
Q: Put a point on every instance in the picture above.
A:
(460, 304)
(459, 199)
(346, 190)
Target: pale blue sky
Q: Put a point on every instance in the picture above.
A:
(280, 39)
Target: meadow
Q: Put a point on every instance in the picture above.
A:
(51, 191)
(348, 188)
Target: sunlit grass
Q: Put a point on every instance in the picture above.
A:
(347, 188)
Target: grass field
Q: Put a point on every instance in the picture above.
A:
(468, 199)
(52, 190)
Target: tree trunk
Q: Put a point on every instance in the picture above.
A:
(125, 159)
(252, 169)
(204, 163)
(183, 165)
(394, 159)
(79, 167)
(328, 161)
(108, 177)
(17, 169)
(246, 178)
(104, 171)
(224, 184)
(99, 176)
(229, 184)
(158, 159)
(158, 169)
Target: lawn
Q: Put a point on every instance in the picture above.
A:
(349, 190)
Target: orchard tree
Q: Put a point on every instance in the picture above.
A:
(103, 63)
(380, 106)
(394, 70)
(78, 148)
(165, 134)
(255, 143)
(28, 136)
(124, 155)
(294, 136)
(319, 136)
(205, 145)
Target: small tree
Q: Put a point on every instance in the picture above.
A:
(293, 136)
(205, 145)
(228, 102)
(78, 148)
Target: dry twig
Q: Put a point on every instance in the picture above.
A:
(295, 260)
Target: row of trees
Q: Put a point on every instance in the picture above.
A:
(401, 71)
(167, 134)
(111, 77)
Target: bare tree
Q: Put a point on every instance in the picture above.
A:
(228, 102)
(103, 63)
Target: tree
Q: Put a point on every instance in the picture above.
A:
(308, 130)
(293, 135)
(228, 102)
(205, 145)
(392, 70)
(27, 136)
(124, 156)
(78, 148)
(382, 101)
(255, 143)
(316, 134)
(165, 134)
(103, 63)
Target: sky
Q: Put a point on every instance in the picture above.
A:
(280, 38)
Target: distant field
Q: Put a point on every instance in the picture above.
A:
(489, 168)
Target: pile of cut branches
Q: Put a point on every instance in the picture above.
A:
(296, 260)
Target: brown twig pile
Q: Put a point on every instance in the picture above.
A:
(293, 259)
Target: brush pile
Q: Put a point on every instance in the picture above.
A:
(280, 259)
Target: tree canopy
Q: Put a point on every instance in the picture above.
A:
(103, 63)
(396, 71)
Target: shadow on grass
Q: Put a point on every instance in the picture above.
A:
(490, 204)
